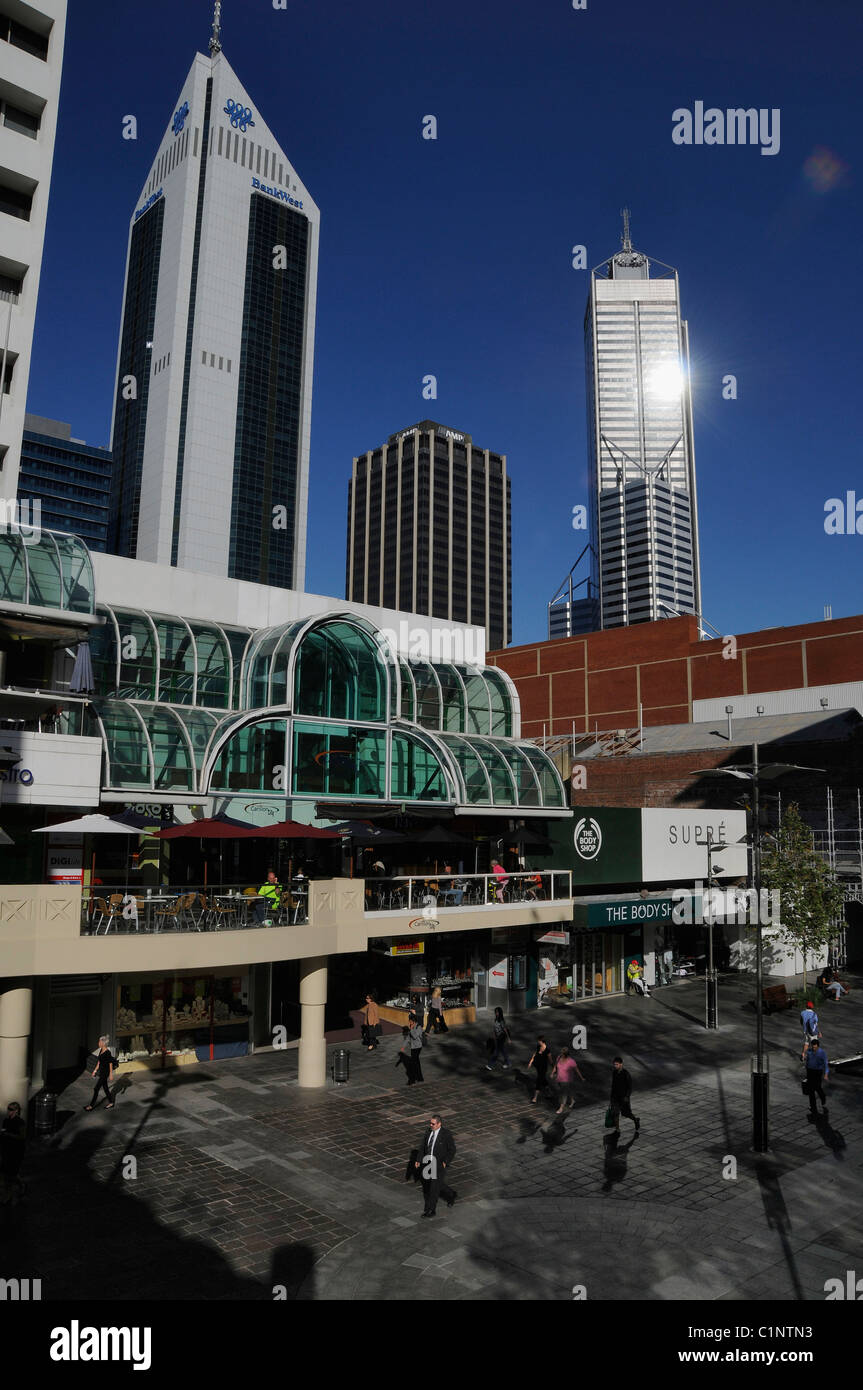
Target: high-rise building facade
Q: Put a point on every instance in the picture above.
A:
(644, 527)
(429, 529)
(31, 63)
(69, 479)
(212, 408)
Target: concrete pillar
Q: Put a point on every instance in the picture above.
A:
(16, 1007)
(313, 998)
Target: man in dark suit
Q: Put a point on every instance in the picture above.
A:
(436, 1153)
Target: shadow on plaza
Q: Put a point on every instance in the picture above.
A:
(85, 1232)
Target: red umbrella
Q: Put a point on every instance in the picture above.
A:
(210, 828)
(293, 830)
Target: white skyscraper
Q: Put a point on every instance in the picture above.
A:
(212, 408)
(31, 63)
(644, 527)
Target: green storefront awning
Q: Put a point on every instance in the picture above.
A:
(617, 913)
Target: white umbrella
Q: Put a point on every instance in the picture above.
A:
(90, 825)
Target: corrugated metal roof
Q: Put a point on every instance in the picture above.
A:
(806, 727)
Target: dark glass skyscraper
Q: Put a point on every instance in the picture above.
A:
(69, 479)
(429, 530)
(212, 408)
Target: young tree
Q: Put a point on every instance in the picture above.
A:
(810, 899)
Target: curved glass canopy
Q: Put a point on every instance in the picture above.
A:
(46, 569)
(335, 713)
(150, 656)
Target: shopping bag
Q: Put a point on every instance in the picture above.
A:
(609, 1118)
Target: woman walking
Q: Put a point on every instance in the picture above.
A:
(105, 1069)
(499, 1039)
(564, 1073)
(371, 1029)
(435, 1018)
(540, 1061)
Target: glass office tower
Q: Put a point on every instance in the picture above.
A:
(430, 530)
(212, 408)
(644, 528)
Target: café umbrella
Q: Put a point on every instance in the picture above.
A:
(94, 824)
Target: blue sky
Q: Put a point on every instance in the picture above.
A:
(453, 256)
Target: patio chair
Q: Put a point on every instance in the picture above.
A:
(178, 914)
(224, 915)
(105, 913)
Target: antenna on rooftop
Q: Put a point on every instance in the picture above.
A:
(625, 242)
(215, 41)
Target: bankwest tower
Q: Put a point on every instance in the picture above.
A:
(212, 407)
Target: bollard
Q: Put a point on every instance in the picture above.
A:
(341, 1066)
(44, 1113)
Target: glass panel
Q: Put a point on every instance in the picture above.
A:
(526, 783)
(333, 761)
(173, 769)
(340, 674)
(498, 773)
(13, 572)
(103, 654)
(177, 662)
(213, 667)
(549, 780)
(416, 773)
(125, 745)
(472, 769)
(238, 641)
(46, 588)
(408, 695)
(253, 759)
(501, 703)
(452, 692)
(137, 656)
(428, 695)
(199, 725)
(78, 586)
(478, 719)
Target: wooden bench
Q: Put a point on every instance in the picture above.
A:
(775, 997)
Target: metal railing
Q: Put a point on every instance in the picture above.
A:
(409, 892)
(165, 909)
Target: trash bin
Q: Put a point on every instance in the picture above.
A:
(45, 1113)
(341, 1065)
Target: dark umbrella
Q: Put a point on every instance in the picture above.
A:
(82, 672)
(372, 834)
(293, 830)
(527, 837)
(440, 835)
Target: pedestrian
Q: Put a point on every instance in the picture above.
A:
(809, 1024)
(835, 988)
(435, 1154)
(817, 1070)
(565, 1071)
(416, 1041)
(499, 1039)
(104, 1068)
(540, 1061)
(371, 1028)
(404, 1058)
(621, 1090)
(435, 1018)
(13, 1140)
(635, 976)
(266, 909)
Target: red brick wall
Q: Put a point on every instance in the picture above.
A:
(598, 680)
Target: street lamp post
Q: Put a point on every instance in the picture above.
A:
(710, 1002)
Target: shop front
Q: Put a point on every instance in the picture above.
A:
(407, 971)
(172, 1019)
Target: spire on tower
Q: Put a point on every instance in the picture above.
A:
(625, 242)
(215, 41)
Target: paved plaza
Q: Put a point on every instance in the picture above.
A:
(226, 1181)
